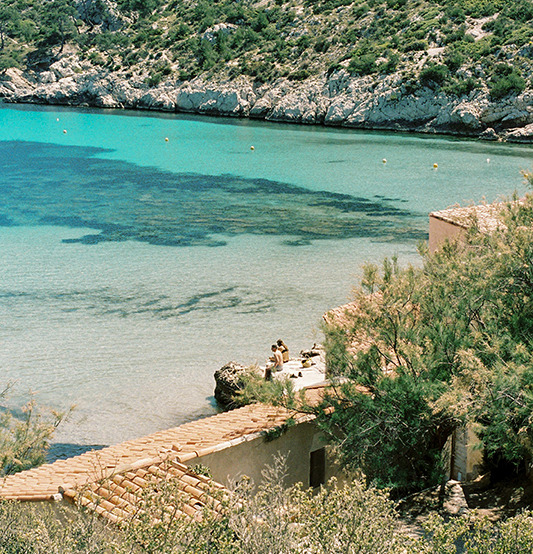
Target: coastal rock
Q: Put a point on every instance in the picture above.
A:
(508, 113)
(59, 92)
(157, 99)
(339, 110)
(467, 115)
(489, 134)
(224, 101)
(338, 99)
(13, 84)
(262, 107)
(65, 67)
(47, 77)
(338, 82)
(290, 108)
(521, 134)
(228, 382)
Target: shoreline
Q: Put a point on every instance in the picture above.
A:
(337, 101)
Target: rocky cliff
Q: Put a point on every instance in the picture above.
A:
(435, 67)
(337, 99)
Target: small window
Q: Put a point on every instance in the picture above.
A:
(317, 471)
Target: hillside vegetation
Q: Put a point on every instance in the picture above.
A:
(454, 45)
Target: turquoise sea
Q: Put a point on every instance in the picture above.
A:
(139, 252)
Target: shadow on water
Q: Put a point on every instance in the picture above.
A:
(56, 450)
(63, 450)
(69, 186)
(102, 301)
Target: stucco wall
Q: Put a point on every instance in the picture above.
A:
(440, 230)
(467, 455)
(250, 457)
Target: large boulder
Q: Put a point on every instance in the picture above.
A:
(228, 382)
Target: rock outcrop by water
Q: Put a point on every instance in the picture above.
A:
(385, 102)
(228, 383)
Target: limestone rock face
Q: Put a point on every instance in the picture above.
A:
(13, 84)
(521, 134)
(212, 33)
(228, 382)
(339, 99)
(100, 13)
(65, 67)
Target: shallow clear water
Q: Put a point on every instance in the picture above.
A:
(132, 267)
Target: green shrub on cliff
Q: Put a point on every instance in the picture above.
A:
(283, 38)
(502, 85)
(461, 86)
(434, 75)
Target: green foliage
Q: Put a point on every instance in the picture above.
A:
(253, 388)
(24, 439)
(8, 60)
(479, 535)
(200, 469)
(443, 348)
(276, 432)
(142, 7)
(339, 518)
(258, 518)
(154, 79)
(299, 75)
(414, 45)
(56, 23)
(268, 41)
(391, 64)
(434, 75)
(506, 83)
(453, 59)
(26, 528)
(364, 64)
(461, 87)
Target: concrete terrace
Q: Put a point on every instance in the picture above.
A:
(304, 377)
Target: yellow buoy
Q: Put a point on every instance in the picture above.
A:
(252, 148)
(435, 166)
(166, 139)
(384, 160)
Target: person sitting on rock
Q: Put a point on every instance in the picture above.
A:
(277, 358)
(284, 350)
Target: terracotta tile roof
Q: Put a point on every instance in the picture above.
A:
(487, 216)
(344, 316)
(181, 444)
(120, 495)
